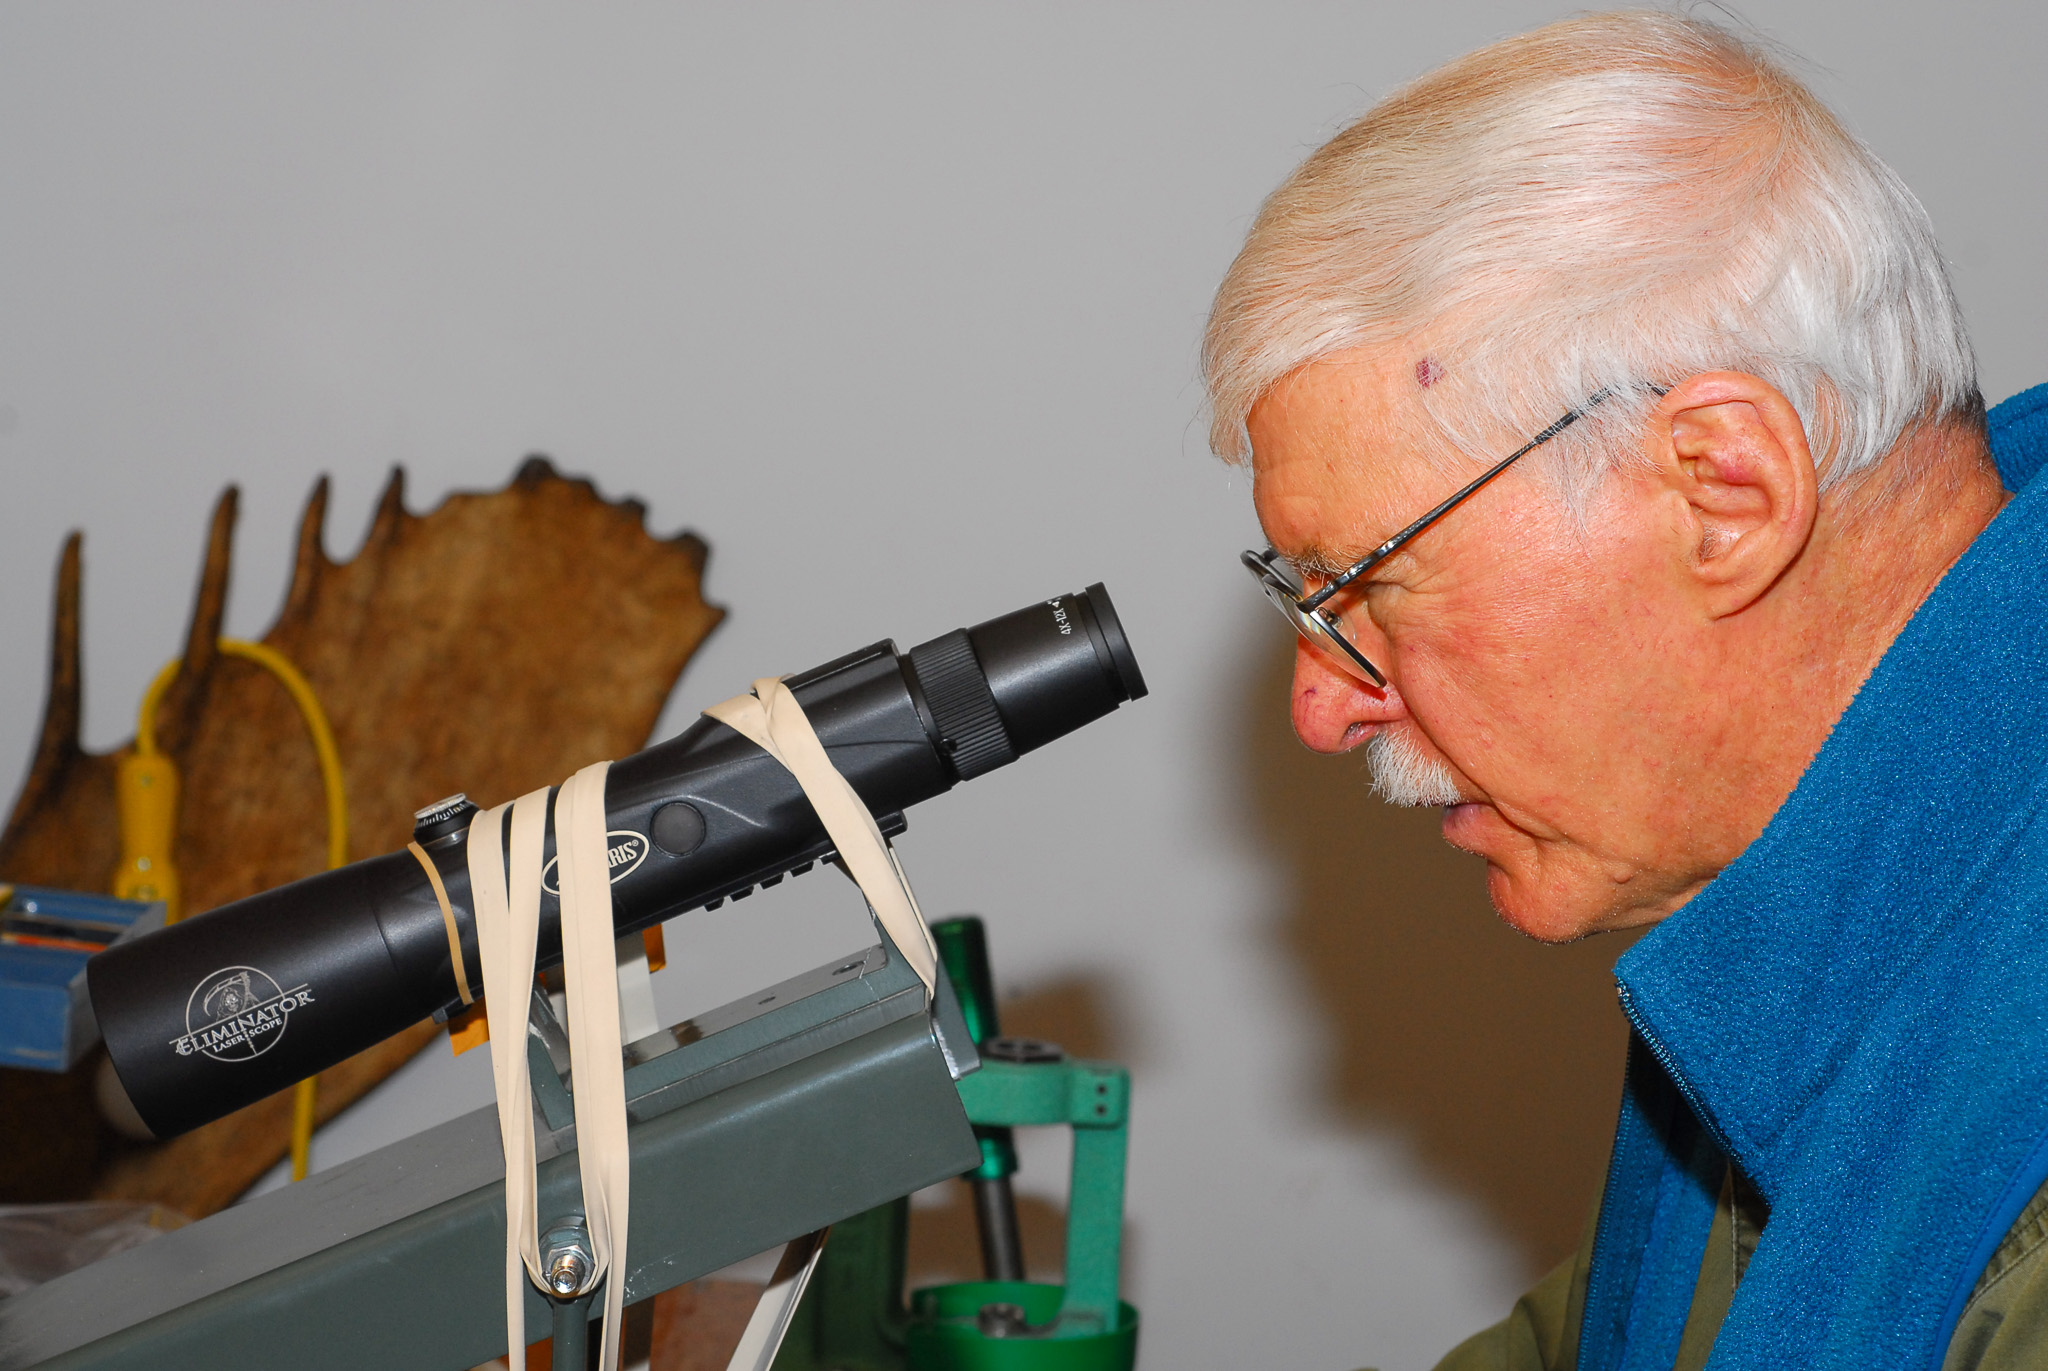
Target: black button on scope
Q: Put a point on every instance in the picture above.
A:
(678, 828)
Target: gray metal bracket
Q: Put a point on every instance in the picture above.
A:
(771, 1117)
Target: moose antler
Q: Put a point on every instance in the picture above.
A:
(494, 645)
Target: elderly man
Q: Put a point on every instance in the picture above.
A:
(1616, 433)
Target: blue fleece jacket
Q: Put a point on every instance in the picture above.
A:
(1856, 1010)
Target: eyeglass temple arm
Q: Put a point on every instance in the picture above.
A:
(1393, 544)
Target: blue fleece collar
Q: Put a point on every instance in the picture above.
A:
(1857, 1009)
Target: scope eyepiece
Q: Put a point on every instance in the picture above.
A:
(222, 1009)
(1002, 688)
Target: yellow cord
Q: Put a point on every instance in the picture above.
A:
(148, 791)
(309, 705)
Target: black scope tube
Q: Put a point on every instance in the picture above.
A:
(222, 1009)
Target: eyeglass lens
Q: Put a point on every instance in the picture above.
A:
(1317, 630)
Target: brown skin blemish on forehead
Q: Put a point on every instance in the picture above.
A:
(1428, 372)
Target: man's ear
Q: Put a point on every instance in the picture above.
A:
(1734, 451)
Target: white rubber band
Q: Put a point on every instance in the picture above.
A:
(508, 926)
(772, 718)
(506, 931)
(597, 1059)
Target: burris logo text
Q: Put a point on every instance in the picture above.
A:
(238, 1013)
(623, 850)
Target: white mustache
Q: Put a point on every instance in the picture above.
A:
(1402, 775)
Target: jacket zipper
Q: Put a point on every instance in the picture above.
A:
(1699, 1109)
(1603, 1228)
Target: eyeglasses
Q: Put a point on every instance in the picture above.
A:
(1323, 627)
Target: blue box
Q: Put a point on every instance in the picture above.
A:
(46, 1021)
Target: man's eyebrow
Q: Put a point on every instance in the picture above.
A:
(1328, 565)
(1320, 561)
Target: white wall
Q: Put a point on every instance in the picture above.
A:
(897, 306)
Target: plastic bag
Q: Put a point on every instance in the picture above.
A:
(40, 1242)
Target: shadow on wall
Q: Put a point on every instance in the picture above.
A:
(1496, 1057)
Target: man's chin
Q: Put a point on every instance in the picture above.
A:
(1544, 923)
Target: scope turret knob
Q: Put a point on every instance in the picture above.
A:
(442, 819)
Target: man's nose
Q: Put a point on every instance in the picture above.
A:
(1334, 711)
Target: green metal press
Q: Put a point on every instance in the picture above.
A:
(854, 1316)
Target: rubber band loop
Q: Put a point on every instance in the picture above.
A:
(507, 912)
(773, 720)
(508, 926)
(597, 1063)
(447, 921)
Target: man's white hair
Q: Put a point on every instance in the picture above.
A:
(1602, 205)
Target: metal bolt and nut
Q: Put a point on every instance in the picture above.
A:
(1005, 1320)
(566, 1256)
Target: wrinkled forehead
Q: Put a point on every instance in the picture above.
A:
(1341, 454)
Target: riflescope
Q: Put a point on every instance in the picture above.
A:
(225, 1008)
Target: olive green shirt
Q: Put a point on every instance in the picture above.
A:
(2004, 1326)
